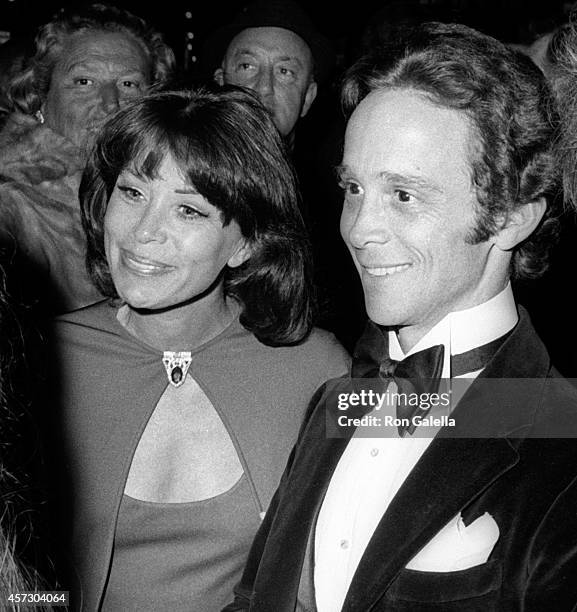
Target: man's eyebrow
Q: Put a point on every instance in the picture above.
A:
(411, 180)
(289, 58)
(187, 191)
(94, 64)
(394, 177)
(79, 66)
(242, 51)
(281, 58)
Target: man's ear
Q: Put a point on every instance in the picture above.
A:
(309, 97)
(520, 224)
(218, 76)
(242, 253)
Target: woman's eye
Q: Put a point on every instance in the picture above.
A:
(83, 81)
(403, 196)
(130, 84)
(189, 212)
(130, 192)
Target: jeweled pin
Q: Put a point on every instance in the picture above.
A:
(176, 365)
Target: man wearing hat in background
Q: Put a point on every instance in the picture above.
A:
(273, 48)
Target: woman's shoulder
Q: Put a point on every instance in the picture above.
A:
(92, 337)
(323, 346)
(96, 319)
(321, 341)
(102, 310)
(320, 353)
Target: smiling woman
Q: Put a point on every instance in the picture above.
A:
(165, 242)
(181, 396)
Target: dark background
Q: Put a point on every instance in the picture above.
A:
(519, 21)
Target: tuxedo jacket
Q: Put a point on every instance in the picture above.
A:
(522, 473)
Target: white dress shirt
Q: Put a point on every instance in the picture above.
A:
(371, 470)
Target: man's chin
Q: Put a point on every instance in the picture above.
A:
(382, 319)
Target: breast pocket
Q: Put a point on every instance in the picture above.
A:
(470, 590)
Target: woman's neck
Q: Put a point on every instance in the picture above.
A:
(182, 328)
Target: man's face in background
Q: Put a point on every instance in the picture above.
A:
(277, 64)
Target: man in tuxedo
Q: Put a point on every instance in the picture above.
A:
(448, 177)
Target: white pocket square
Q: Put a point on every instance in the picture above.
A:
(458, 547)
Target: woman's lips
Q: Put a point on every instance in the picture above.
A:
(143, 265)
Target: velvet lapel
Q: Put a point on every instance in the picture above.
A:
(453, 470)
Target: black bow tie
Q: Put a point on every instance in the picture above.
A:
(416, 373)
(427, 363)
(371, 358)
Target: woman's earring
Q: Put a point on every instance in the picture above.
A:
(39, 116)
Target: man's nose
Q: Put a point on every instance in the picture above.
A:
(264, 83)
(110, 98)
(367, 223)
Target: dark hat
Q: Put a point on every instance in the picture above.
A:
(278, 14)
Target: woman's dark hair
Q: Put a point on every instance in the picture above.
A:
(227, 147)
